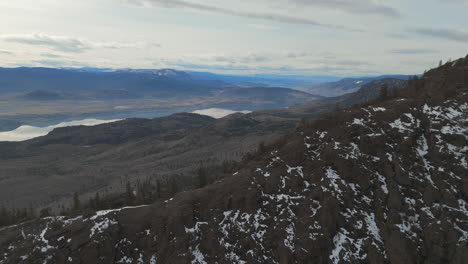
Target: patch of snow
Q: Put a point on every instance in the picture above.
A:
(290, 235)
(379, 109)
(358, 121)
(100, 226)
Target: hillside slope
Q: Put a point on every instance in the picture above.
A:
(348, 85)
(46, 171)
(385, 183)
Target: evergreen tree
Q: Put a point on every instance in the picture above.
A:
(31, 211)
(174, 186)
(383, 92)
(394, 92)
(261, 147)
(158, 189)
(338, 107)
(76, 202)
(97, 201)
(202, 181)
(4, 216)
(130, 194)
(92, 204)
(45, 212)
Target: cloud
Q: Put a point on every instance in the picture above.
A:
(60, 63)
(218, 112)
(413, 51)
(70, 44)
(463, 2)
(350, 63)
(353, 7)
(398, 35)
(262, 26)
(58, 43)
(250, 58)
(173, 4)
(317, 68)
(444, 33)
(28, 132)
(51, 55)
(6, 52)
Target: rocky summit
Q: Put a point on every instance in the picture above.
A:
(384, 182)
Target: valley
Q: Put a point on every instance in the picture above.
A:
(103, 158)
(49, 96)
(381, 181)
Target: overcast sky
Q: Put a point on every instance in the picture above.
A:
(307, 37)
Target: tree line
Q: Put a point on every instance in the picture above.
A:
(135, 193)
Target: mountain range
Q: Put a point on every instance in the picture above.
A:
(103, 158)
(347, 85)
(380, 182)
(44, 96)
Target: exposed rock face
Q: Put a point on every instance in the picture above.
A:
(387, 183)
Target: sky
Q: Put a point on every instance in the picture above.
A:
(291, 37)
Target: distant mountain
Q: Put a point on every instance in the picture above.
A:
(275, 96)
(290, 81)
(367, 93)
(347, 85)
(159, 83)
(117, 94)
(40, 95)
(371, 90)
(383, 182)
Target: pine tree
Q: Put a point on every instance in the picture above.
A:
(174, 186)
(97, 201)
(158, 189)
(338, 107)
(32, 213)
(201, 177)
(383, 92)
(130, 195)
(76, 202)
(92, 204)
(4, 218)
(394, 92)
(45, 212)
(261, 147)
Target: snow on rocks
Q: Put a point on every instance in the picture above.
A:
(401, 126)
(378, 109)
(100, 226)
(45, 243)
(194, 247)
(346, 249)
(358, 121)
(297, 169)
